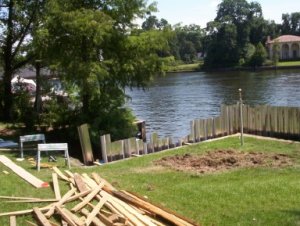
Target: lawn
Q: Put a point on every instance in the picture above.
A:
(185, 67)
(289, 63)
(245, 196)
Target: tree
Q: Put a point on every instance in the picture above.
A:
(97, 52)
(291, 23)
(237, 24)
(17, 18)
(188, 41)
(222, 51)
(259, 56)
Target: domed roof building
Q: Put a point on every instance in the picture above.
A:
(288, 47)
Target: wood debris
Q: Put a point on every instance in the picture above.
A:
(23, 173)
(93, 201)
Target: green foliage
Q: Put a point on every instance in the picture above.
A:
(237, 27)
(259, 56)
(290, 24)
(275, 54)
(97, 53)
(23, 109)
(17, 20)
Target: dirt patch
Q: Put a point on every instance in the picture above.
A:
(223, 160)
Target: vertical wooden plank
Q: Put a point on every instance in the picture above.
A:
(197, 130)
(108, 147)
(154, 141)
(103, 148)
(85, 143)
(201, 129)
(127, 148)
(192, 131)
(123, 149)
(205, 129)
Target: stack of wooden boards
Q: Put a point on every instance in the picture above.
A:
(93, 201)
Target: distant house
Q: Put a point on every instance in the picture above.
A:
(288, 47)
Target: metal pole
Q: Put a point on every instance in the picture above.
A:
(241, 117)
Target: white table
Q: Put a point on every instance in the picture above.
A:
(52, 147)
(30, 138)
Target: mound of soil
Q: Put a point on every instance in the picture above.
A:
(222, 160)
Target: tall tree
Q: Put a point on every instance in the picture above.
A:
(243, 21)
(97, 52)
(290, 23)
(17, 18)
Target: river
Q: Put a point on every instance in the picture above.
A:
(171, 102)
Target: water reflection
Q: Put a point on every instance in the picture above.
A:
(171, 102)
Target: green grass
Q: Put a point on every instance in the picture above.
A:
(289, 63)
(185, 67)
(258, 196)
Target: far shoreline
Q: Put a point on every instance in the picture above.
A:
(262, 68)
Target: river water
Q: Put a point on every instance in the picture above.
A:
(171, 102)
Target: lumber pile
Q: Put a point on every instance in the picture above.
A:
(93, 201)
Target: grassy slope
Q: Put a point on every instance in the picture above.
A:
(241, 197)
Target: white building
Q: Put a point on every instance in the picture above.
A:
(288, 47)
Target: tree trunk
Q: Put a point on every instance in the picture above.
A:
(8, 70)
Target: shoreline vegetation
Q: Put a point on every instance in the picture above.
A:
(196, 67)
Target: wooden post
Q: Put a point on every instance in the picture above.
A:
(241, 118)
(86, 145)
(103, 148)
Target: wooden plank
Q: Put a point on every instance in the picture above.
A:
(74, 218)
(60, 174)
(85, 143)
(23, 212)
(175, 219)
(88, 198)
(127, 148)
(108, 146)
(79, 195)
(30, 223)
(32, 201)
(81, 186)
(23, 173)
(65, 216)
(56, 186)
(95, 220)
(95, 211)
(12, 221)
(103, 149)
(126, 211)
(20, 198)
(60, 202)
(41, 217)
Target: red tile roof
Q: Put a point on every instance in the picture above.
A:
(286, 38)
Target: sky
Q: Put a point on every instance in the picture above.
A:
(202, 11)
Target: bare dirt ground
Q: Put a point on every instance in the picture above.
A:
(223, 160)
